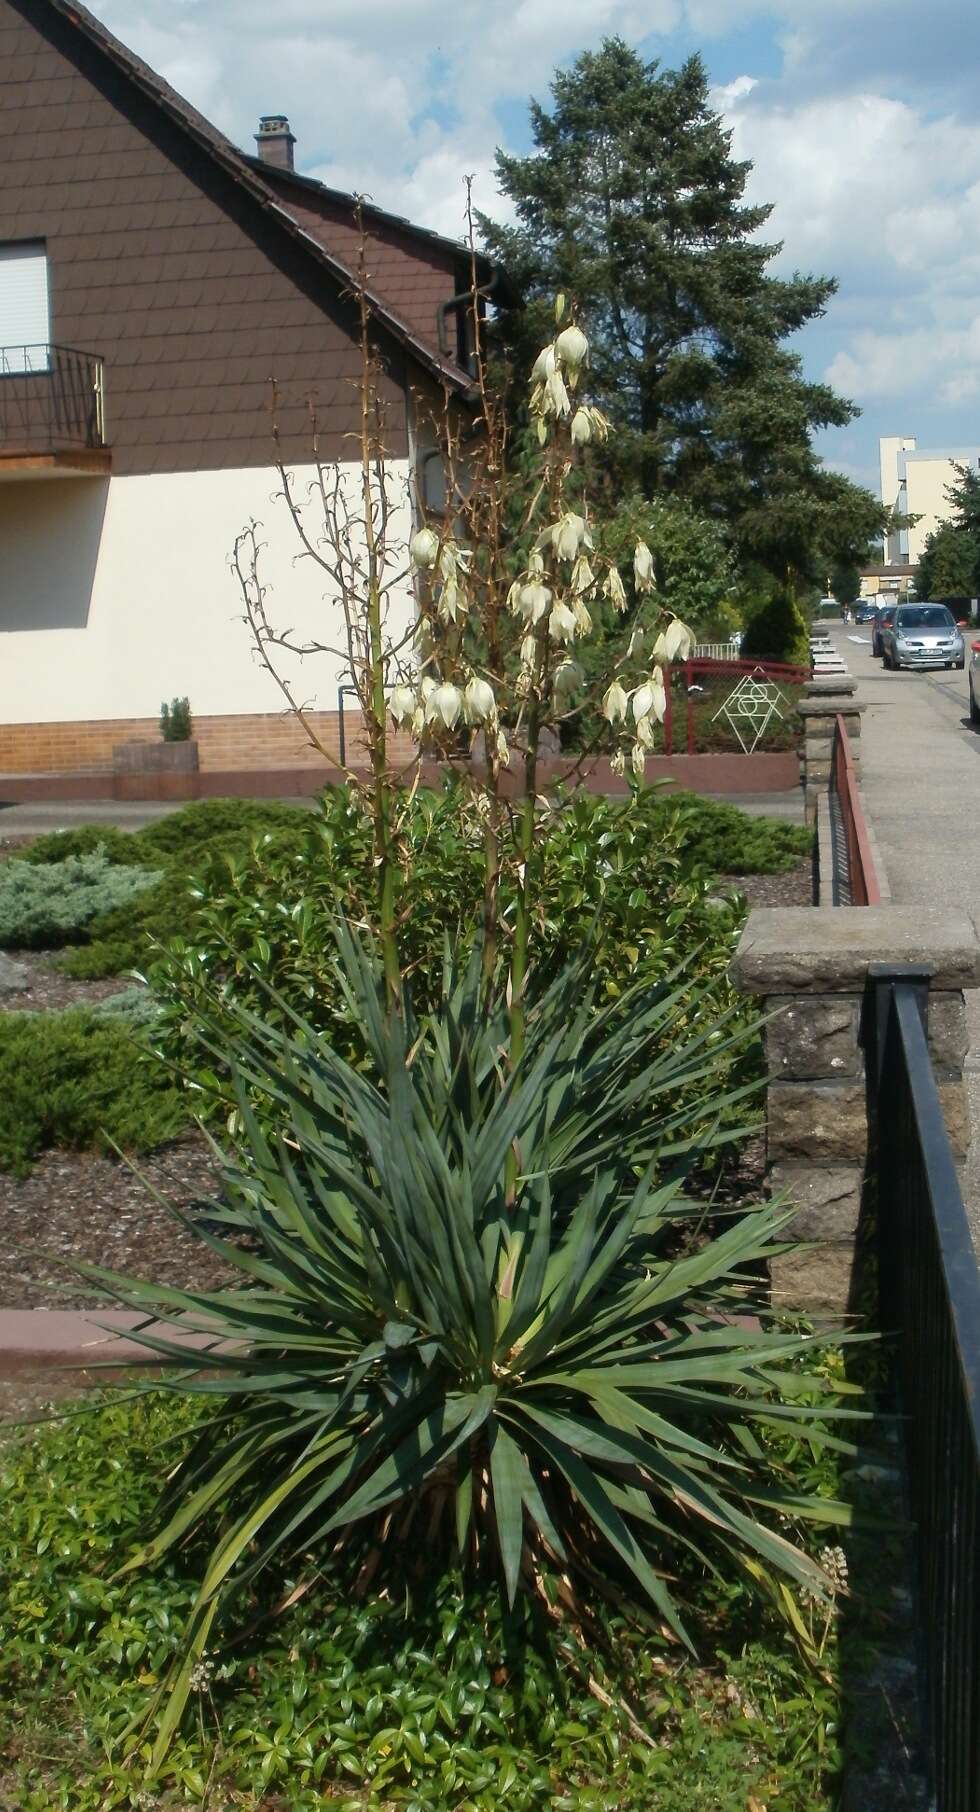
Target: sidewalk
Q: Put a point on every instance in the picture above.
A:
(920, 771)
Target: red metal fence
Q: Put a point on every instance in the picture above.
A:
(700, 668)
(845, 796)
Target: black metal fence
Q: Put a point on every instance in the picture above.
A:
(930, 1301)
(52, 399)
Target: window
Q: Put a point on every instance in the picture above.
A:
(25, 326)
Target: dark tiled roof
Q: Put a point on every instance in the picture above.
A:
(248, 172)
(372, 213)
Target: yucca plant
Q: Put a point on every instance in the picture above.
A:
(471, 1298)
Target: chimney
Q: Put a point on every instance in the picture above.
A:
(275, 141)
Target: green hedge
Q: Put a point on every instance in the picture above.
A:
(78, 1080)
(777, 632)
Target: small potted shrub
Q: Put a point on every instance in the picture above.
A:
(160, 770)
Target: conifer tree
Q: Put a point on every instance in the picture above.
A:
(633, 204)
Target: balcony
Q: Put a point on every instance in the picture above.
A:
(52, 413)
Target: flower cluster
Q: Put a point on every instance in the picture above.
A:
(834, 1564)
(552, 599)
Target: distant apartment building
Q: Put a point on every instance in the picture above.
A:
(914, 482)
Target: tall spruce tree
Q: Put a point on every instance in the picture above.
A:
(633, 203)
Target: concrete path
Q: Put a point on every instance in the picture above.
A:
(35, 820)
(38, 817)
(920, 761)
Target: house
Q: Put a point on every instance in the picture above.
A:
(154, 280)
(897, 580)
(914, 482)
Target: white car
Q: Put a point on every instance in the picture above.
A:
(922, 635)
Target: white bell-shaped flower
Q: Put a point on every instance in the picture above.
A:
(567, 678)
(402, 704)
(583, 620)
(424, 549)
(556, 398)
(678, 641)
(650, 699)
(570, 535)
(445, 705)
(617, 762)
(453, 602)
(581, 428)
(638, 760)
(615, 703)
(572, 347)
(614, 589)
(643, 567)
(583, 578)
(544, 365)
(534, 601)
(479, 703)
(561, 624)
(529, 651)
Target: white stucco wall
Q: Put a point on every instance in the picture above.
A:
(927, 478)
(115, 594)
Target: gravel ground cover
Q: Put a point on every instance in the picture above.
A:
(95, 1209)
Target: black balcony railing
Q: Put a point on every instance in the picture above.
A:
(930, 1302)
(52, 400)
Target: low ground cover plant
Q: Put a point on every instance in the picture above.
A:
(43, 907)
(80, 1080)
(221, 854)
(431, 1696)
(247, 903)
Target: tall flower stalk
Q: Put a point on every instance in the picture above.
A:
(506, 577)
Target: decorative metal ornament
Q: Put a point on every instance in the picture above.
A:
(750, 708)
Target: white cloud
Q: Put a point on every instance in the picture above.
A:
(858, 141)
(873, 190)
(396, 98)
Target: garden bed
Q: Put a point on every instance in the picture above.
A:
(95, 1210)
(429, 1697)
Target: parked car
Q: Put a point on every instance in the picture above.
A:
(883, 620)
(922, 635)
(865, 613)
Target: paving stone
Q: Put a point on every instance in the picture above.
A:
(828, 1200)
(827, 950)
(949, 1039)
(814, 1035)
(816, 1123)
(815, 1282)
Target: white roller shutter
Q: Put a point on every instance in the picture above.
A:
(25, 326)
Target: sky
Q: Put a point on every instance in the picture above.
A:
(861, 119)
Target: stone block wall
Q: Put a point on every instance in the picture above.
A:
(824, 701)
(809, 966)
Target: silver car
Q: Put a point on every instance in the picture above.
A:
(922, 635)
